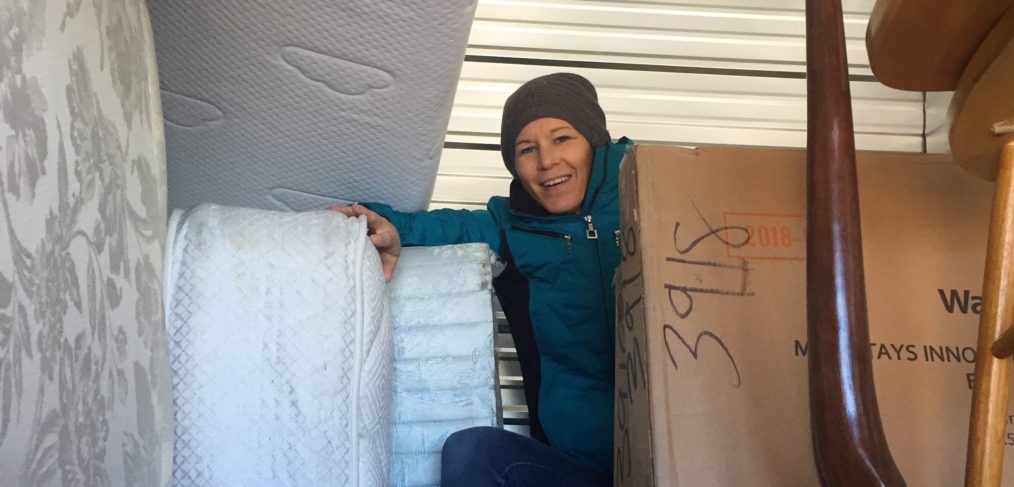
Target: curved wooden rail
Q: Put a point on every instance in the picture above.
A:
(848, 439)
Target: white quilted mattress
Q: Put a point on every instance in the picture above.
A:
(281, 350)
(444, 366)
(297, 103)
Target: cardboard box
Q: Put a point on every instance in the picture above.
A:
(711, 339)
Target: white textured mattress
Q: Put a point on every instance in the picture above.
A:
(281, 350)
(444, 364)
(292, 104)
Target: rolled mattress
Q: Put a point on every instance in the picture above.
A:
(280, 348)
(445, 376)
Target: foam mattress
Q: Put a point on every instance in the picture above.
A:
(280, 348)
(294, 104)
(444, 365)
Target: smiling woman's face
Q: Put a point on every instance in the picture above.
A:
(553, 161)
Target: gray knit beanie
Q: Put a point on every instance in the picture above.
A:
(566, 96)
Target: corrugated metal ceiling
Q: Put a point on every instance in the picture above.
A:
(691, 72)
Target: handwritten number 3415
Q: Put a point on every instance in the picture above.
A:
(672, 336)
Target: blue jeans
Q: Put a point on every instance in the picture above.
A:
(487, 457)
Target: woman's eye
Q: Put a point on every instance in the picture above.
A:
(563, 138)
(526, 150)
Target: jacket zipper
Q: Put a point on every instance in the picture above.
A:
(545, 233)
(592, 234)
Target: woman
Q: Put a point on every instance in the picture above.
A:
(558, 234)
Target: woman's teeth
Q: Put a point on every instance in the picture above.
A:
(554, 182)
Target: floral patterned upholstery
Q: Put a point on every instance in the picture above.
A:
(84, 381)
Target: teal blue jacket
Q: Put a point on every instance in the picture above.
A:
(566, 264)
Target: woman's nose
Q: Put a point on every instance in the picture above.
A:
(548, 157)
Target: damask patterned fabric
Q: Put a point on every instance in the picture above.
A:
(84, 378)
(281, 350)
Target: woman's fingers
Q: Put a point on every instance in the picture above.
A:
(382, 241)
(344, 210)
(372, 217)
(388, 262)
(382, 234)
(373, 220)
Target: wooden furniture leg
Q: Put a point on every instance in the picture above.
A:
(968, 47)
(986, 439)
(848, 439)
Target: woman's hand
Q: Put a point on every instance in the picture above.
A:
(381, 232)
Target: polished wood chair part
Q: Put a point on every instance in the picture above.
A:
(848, 440)
(988, 419)
(925, 45)
(1003, 347)
(982, 109)
(982, 141)
(944, 43)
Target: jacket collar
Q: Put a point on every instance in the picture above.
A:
(522, 202)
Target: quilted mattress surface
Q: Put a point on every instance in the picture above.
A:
(444, 365)
(293, 104)
(280, 348)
